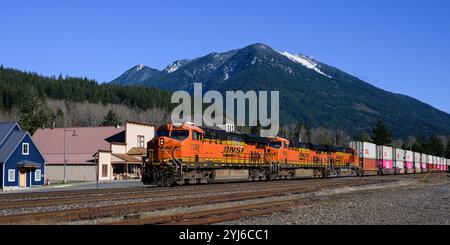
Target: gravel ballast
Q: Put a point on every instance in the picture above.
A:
(418, 204)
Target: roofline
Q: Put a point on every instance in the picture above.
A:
(104, 151)
(37, 147)
(141, 123)
(15, 147)
(15, 124)
(118, 143)
(32, 140)
(120, 126)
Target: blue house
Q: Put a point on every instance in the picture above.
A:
(21, 163)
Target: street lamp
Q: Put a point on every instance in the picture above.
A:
(65, 160)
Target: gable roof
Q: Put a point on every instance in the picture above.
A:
(11, 144)
(79, 148)
(5, 129)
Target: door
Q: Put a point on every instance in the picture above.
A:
(22, 178)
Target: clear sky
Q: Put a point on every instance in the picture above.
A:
(398, 45)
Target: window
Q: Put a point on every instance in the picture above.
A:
(104, 170)
(25, 149)
(275, 144)
(161, 133)
(180, 134)
(37, 175)
(11, 175)
(140, 141)
(196, 135)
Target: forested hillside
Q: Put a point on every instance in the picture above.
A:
(38, 100)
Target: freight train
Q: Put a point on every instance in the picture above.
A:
(186, 154)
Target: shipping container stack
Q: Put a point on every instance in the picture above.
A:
(433, 166)
(417, 162)
(430, 162)
(384, 159)
(442, 164)
(424, 162)
(399, 161)
(409, 162)
(367, 153)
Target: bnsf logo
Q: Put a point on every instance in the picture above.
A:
(304, 154)
(233, 149)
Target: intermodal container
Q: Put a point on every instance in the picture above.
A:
(409, 162)
(385, 159)
(430, 162)
(417, 162)
(423, 163)
(399, 160)
(367, 153)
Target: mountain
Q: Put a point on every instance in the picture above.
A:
(311, 92)
(135, 75)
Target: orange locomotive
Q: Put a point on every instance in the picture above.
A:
(187, 154)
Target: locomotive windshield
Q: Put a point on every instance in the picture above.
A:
(180, 134)
(275, 144)
(162, 133)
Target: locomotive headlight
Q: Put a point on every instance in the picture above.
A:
(161, 141)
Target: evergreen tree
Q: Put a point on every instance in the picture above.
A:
(362, 136)
(381, 134)
(436, 147)
(34, 113)
(447, 150)
(111, 119)
(420, 144)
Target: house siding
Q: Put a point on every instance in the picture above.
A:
(74, 172)
(17, 157)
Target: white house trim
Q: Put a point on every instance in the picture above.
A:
(3, 177)
(27, 147)
(35, 145)
(15, 148)
(9, 179)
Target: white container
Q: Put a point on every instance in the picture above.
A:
(417, 159)
(424, 161)
(399, 158)
(384, 153)
(364, 150)
(430, 159)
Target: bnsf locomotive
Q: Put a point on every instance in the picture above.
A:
(186, 154)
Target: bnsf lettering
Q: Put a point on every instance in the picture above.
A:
(233, 149)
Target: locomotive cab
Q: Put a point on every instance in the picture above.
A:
(277, 149)
(171, 140)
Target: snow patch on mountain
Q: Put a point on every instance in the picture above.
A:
(140, 67)
(173, 67)
(305, 61)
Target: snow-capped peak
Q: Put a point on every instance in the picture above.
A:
(173, 67)
(140, 67)
(305, 61)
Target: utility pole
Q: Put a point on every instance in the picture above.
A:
(65, 159)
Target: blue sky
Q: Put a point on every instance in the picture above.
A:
(398, 45)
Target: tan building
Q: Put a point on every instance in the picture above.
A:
(103, 153)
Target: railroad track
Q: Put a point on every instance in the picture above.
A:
(143, 194)
(63, 216)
